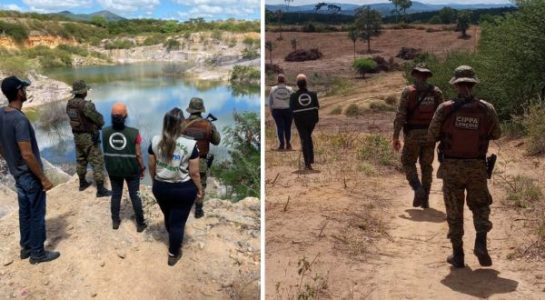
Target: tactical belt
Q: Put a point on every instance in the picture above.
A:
(461, 158)
(416, 126)
(305, 109)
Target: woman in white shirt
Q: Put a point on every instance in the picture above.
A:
(174, 167)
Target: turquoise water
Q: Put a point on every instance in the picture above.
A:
(149, 93)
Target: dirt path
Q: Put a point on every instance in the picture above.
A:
(355, 226)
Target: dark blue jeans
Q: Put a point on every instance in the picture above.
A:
(283, 119)
(133, 184)
(175, 201)
(305, 130)
(31, 198)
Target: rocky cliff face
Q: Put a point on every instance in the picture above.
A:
(43, 90)
(221, 252)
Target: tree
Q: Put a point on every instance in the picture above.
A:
(269, 46)
(242, 173)
(396, 9)
(447, 15)
(288, 4)
(99, 21)
(463, 23)
(368, 23)
(333, 9)
(403, 6)
(319, 6)
(353, 35)
(294, 44)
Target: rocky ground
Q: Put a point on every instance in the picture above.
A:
(221, 252)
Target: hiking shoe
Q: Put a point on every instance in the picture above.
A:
(480, 250)
(83, 185)
(115, 225)
(173, 259)
(141, 227)
(288, 147)
(25, 253)
(45, 257)
(280, 148)
(426, 202)
(199, 212)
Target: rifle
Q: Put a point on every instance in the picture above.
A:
(490, 164)
(211, 117)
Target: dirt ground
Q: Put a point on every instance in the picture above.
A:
(221, 252)
(338, 50)
(348, 231)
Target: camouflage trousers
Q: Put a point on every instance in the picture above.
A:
(87, 152)
(469, 176)
(417, 148)
(203, 169)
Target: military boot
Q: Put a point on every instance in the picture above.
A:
(480, 250)
(419, 192)
(199, 212)
(456, 259)
(426, 198)
(83, 184)
(102, 191)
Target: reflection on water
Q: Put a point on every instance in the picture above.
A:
(148, 93)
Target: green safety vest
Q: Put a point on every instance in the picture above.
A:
(120, 151)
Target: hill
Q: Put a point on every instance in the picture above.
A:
(220, 259)
(386, 8)
(108, 15)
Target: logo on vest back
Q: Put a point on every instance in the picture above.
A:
(118, 141)
(304, 100)
(282, 94)
(466, 122)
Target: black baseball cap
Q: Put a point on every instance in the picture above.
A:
(10, 85)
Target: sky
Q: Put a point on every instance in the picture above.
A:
(303, 2)
(161, 9)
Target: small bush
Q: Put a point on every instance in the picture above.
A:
(522, 191)
(364, 66)
(154, 40)
(245, 74)
(534, 121)
(379, 105)
(304, 55)
(249, 53)
(250, 42)
(16, 65)
(217, 35)
(391, 100)
(376, 149)
(353, 110)
(73, 49)
(367, 169)
(16, 31)
(171, 44)
(339, 86)
(233, 42)
(336, 111)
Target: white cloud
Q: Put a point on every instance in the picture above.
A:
(55, 5)
(11, 7)
(129, 5)
(210, 9)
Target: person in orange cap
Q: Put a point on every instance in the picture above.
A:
(124, 162)
(304, 107)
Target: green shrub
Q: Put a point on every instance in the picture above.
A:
(376, 149)
(523, 191)
(233, 42)
(353, 110)
(16, 31)
(217, 35)
(250, 42)
(534, 122)
(364, 66)
(73, 49)
(172, 44)
(340, 86)
(391, 100)
(249, 53)
(379, 105)
(16, 65)
(245, 74)
(154, 40)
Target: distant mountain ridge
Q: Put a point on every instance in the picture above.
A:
(385, 8)
(110, 16)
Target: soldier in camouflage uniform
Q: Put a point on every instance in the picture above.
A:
(86, 123)
(464, 126)
(416, 108)
(205, 133)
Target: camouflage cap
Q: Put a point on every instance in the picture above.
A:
(464, 74)
(422, 68)
(80, 87)
(196, 105)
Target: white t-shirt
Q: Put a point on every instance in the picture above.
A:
(177, 170)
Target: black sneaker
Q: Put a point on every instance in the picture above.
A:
(173, 259)
(141, 227)
(25, 253)
(115, 224)
(46, 256)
